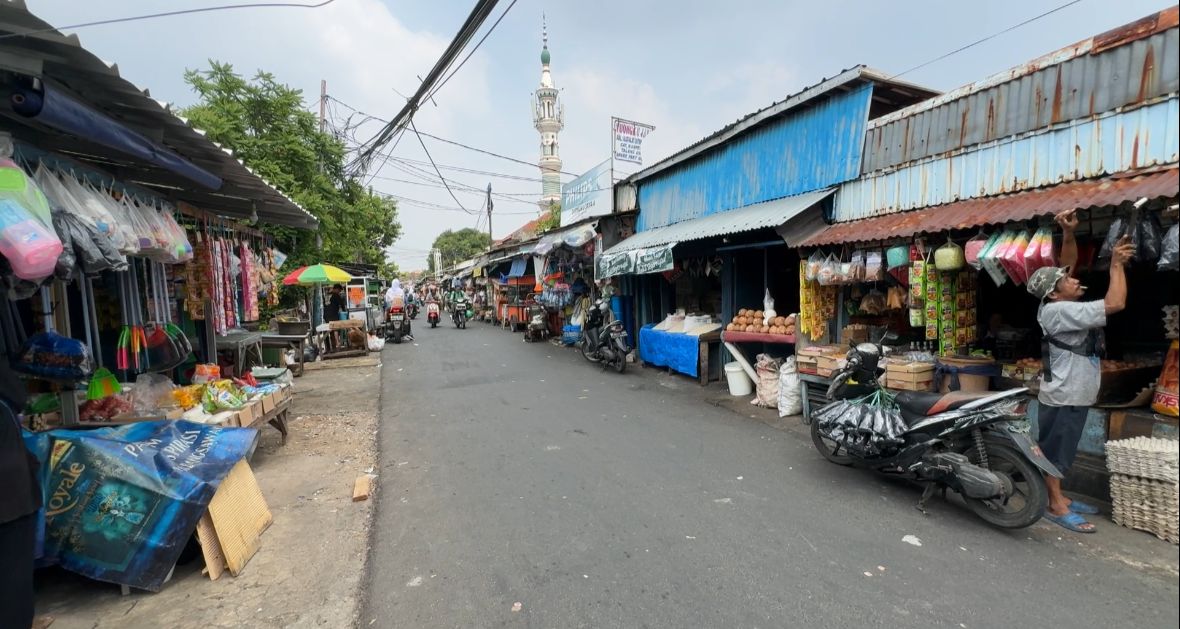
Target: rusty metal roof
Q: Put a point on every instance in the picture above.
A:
(1129, 65)
(1105, 191)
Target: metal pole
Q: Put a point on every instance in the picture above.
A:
(323, 102)
(490, 237)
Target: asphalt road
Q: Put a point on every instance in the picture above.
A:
(518, 473)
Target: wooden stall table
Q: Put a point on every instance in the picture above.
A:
(241, 342)
(327, 342)
(706, 341)
(288, 341)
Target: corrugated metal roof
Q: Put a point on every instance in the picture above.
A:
(807, 150)
(757, 216)
(1132, 64)
(1120, 141)
(61, 60)
(890, 93)
(1111, 190)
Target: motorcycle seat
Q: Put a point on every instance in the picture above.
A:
(923, 404)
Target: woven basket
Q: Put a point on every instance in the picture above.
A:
(1148, 505)
(1145, 457)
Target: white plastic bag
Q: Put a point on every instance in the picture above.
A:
(375, 344)
(790, 398)
(768, 312)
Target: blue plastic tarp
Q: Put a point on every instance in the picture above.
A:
(519, 266)
(121, 503)
(678, 352)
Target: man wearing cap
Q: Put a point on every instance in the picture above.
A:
(1073, 342)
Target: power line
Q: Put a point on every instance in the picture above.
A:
(453, 142)
(989, 37)
(478, 14)
(436, 170)
(427, 205)
(136, 18)
(472, 52)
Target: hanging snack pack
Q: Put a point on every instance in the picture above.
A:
(933, 283)
(874, 267)
(812, 266)
(917, 299)
(989, 261)
(973, 249)
(1166, 399)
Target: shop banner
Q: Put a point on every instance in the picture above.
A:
(610, 265)
(121, 503)
(654, 259)
(627, 139)
(587, 196)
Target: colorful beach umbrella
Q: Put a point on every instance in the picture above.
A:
(316, 274)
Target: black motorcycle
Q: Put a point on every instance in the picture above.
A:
(412, 309)
(460, 313)
(977, 444)
(603, 338)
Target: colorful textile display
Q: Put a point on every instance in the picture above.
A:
(249, 284)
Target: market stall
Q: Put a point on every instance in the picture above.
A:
(956, 300)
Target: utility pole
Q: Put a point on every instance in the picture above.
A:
(491, 238)
(323, 102)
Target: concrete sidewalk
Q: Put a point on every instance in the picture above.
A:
(308, 572)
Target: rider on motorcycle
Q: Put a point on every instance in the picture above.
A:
(397, 295)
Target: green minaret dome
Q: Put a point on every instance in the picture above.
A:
(545, 55)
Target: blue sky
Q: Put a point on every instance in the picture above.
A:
(688, 67)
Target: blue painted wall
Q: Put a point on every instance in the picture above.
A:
(812, 149)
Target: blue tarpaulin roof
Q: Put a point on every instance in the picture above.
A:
(518, 267)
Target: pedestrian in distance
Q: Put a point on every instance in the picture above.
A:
(1072, 345)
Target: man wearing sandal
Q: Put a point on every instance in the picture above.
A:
(1073, 342)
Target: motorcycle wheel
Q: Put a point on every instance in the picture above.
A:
(621, 363)
(828, 448)
(1031, 497)
(584, 349)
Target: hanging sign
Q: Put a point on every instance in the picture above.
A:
(610, 265)
(654, 259)
(627, 140)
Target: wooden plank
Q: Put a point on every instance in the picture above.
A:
(210, 548)
(363, 487)
(240, 515)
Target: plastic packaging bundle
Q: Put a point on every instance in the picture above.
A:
(989, 261)
(949, 257)
(51, 356)
(1013, 258)
(814, 262)
(1170, 250)
(27, 238)
(973, 248)
(868, 427)
(1039, 252)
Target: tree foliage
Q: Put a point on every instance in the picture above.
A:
(268, 126)
(458, 245)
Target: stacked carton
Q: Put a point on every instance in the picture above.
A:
(1143, 485)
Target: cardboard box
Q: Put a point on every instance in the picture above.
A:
(148, 416)
(250, 413)
(911, 376)
(924, 385)
(854, 334)
(269, 402)
(825, 373)
(827, 362)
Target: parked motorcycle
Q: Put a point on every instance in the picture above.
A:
(977, 444)
(432, 314)
(396, 326)
(537, 328)
(460, 313)
(603, 338)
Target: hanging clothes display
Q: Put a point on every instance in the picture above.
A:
(198, 279)
(249, 283)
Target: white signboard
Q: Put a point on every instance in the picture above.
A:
(627, 140)
(586, 196)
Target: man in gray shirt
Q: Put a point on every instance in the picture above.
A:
(1072, 330)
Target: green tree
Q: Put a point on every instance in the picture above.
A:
(459, 245)
(268, 126)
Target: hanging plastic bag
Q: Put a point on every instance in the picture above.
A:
(856, 267)
(989, 261)
(27, 238)
(973, 248)
(1170, 250)
(828, 271)
(1013, 257)
(949, 257)
(181, 250)
(897, 257)
(1150, 235)
(768, 313)
(814, 262)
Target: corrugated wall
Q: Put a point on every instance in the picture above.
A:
(1078, 88)
(809, 150)
(1119, 141)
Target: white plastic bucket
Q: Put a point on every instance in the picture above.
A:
(739, 382)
